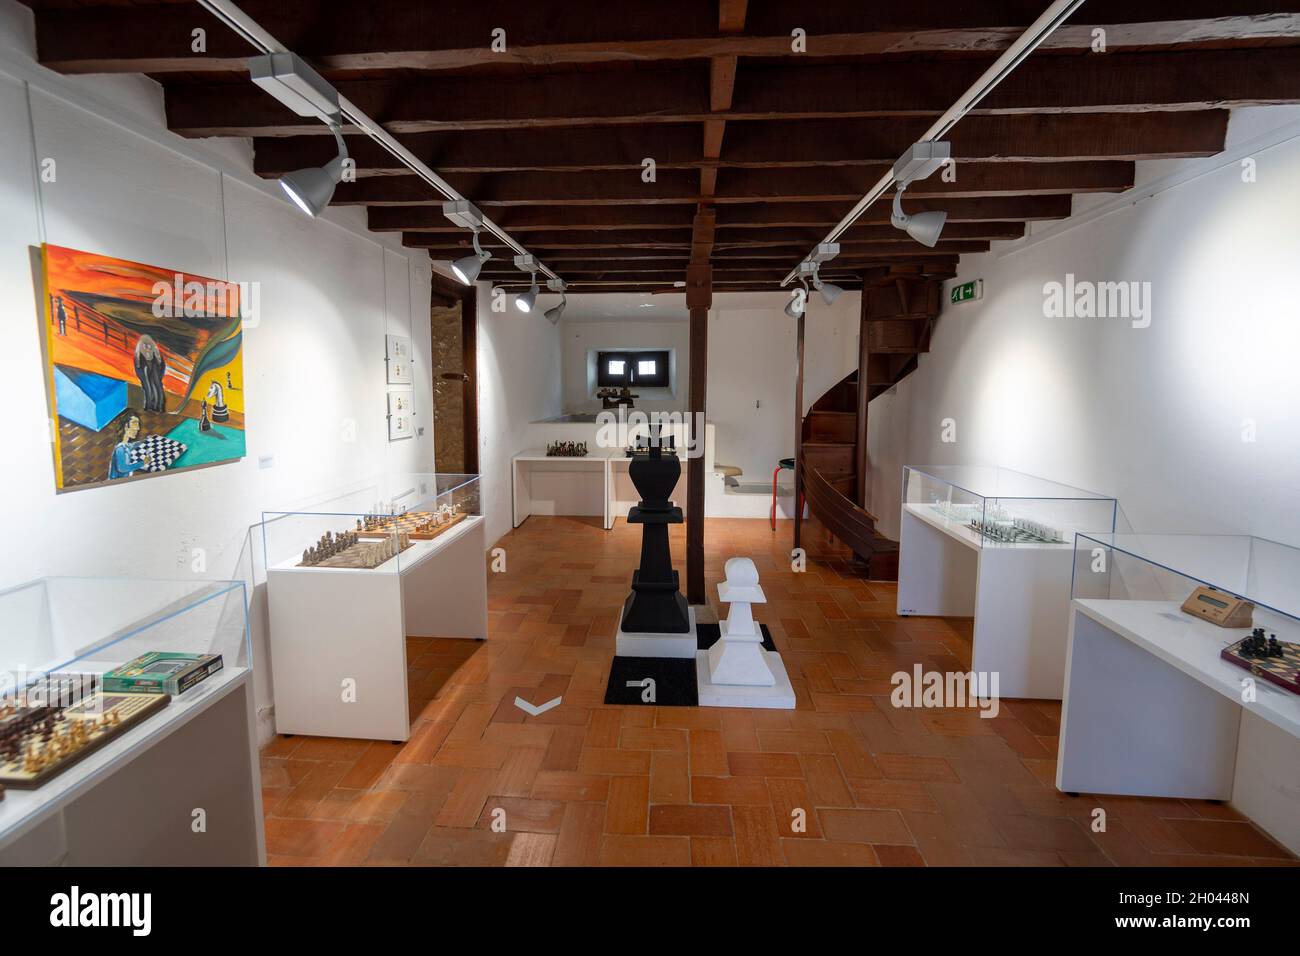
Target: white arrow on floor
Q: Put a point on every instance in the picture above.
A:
(540, 709)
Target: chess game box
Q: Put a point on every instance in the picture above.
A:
(162, 672)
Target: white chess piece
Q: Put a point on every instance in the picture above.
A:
(737, 658)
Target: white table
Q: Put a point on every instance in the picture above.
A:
(1151, 709)
(131, 802)
(1018, 594)
(552, 485)
(334, 625)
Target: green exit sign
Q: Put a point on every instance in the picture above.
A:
(967, 291)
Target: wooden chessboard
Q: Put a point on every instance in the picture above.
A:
(127, 710)
(409, 522)
(1283, 671)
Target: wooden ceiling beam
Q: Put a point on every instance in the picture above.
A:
(989, 212)
(739, 186)
(982, 139)
(399, 35)
(1113, 82)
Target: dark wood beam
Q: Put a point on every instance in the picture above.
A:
(741, 242)
(1016, 138)
(669, 219)
(842, 183)
(399, 35)
(1114, 82)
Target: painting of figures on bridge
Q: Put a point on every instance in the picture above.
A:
(145, 368)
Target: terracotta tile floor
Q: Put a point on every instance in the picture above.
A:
(585, 784)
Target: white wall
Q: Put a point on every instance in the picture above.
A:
(582, 337)
(1152, 415)
(752, 371)
(313, 360)
(518, 383)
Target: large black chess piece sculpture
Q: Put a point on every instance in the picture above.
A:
(656, 604)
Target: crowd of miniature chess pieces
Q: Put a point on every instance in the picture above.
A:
(372, 553)
(567, 449)
(1256, 646)
(41, 735)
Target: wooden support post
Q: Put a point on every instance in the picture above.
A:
(864, 399)
(798, 427)
(699, 296)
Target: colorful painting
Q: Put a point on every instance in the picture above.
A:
(145, 368)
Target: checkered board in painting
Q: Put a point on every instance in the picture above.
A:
(162, 451)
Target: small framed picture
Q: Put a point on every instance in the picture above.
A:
(397, 356)
(401, 411)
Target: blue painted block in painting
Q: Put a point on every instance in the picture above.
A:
(88, 398)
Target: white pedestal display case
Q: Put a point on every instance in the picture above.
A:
(1151, 707)
(397, 557)
(997, 545)
(127, 779)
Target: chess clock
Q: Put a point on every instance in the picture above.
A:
(1219, 608)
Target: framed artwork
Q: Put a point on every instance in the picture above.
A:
(401, 408)
(145, 368)
(397, 354)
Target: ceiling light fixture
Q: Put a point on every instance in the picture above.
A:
(553, 314)
(311, 189)
(1010, 58)
(924, 227)
(464, 213)
(526, 301)
(295, 84)
(317, 97)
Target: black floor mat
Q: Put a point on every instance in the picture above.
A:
(674, 677)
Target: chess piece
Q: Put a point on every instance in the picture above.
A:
(656, 604)
(205, 425)
(737, 657)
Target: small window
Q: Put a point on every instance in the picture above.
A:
(648, 369)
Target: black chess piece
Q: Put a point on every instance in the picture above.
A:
(656, 604)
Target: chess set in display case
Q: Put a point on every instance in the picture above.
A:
(1003, 507)
(995, 545)
(109, 685)
(352, 574)
(1184, 673)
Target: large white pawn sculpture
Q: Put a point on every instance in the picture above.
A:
(736, 671)
(738, 657)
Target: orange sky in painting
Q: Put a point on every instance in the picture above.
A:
(70, 270)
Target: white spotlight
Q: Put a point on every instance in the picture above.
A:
(526, 301)
(924, 227)
(829, 290)
(312, 189)
(467, 268)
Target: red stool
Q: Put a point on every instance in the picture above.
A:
(786, 464)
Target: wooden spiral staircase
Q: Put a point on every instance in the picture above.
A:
(899, 306)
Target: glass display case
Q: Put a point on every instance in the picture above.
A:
(378, 524)
(351, 576)
(1000, 507)
(1186, 647)
(1169, 568)
(96, 671)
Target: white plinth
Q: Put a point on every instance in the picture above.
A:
(1151, 709)
(629, 644)
(780, 696)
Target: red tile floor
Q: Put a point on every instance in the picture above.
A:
(586, 784)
